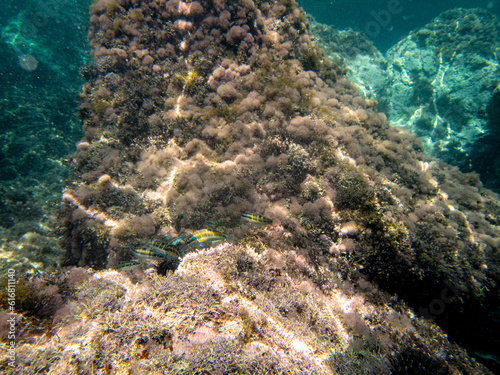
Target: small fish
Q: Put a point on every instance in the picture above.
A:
(174, 251)
(149, 251)
(257, 219)
(175, 241)
(173, 247)
(218, 226)
(206, 236)
(126, 265)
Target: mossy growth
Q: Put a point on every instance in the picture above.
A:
(352, 187)
(387, 254)
(97, 296)
(460, 31)
(26, 298)
(422, 37)
(222, 145)
(249, 325)
(396, 233)
(251, 239)
(148, 37)
(276, 84)
(230, 112)
(136, 15)
(202, 65)
(325, 154)
(290, 4)
(417, 358)
(299, 161)
(115, 199)
(242, 187)
(326, 113)
(314, 59)
(118, 26)
(206, 206)
(423, 90)
(99, 106)
(88, 246)
(313, 189)
(112, 8)
(192, 82)
(311, 60)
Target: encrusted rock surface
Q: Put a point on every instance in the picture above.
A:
(205, 110)
(236, 310)
(437, 82)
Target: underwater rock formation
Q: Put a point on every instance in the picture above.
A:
(443, 76)
(437, 82)
(365, 65)
(204, 110)
(234, 310)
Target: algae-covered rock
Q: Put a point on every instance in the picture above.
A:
(321, 202)
(236, 310)
(443, 77)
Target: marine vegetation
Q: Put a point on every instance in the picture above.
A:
(267, 124)
(348, 208)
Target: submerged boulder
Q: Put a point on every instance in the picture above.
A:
(201, 111)
(248, 311)
(438, 82)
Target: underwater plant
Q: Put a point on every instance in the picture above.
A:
(286, 219)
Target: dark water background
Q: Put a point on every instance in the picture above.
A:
(38, 103)
(363, 15)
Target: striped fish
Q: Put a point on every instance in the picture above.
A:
(218, 226)
(176, 241)
(120, 266)
(174, 248)
(206, 237)
(150, 251)
(174, 251)
(257, 219)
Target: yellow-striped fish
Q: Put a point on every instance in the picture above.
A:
(257, 219)
(161, 249)
(218, 226)
(149, 251)
(205, 236)
(174, 251)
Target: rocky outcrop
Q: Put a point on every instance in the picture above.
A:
(200, 111)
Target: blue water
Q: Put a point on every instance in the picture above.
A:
(43, 47)
(386, 21)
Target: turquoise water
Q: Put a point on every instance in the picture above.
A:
(395, 19)
(44, 48)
